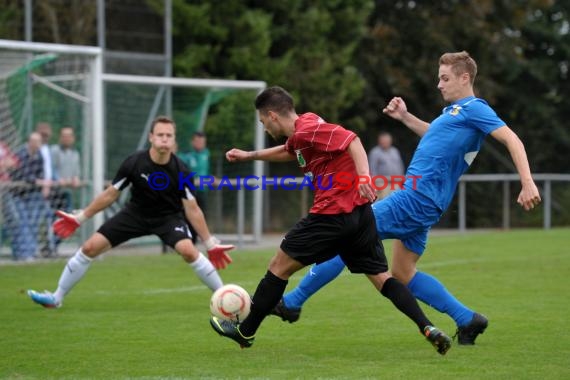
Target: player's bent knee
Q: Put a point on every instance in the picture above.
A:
(283, 266)
(403, 275)
(379, 279)
(95, 245)
(187, 250)
(189, 256)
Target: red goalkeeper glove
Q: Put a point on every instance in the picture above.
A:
(217, 253)
(66, 224)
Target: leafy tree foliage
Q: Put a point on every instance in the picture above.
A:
(522, 50)
(346, 59)
(11, 20)
(307, 47)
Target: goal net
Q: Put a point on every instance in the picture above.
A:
(58, 89)
(220, 109)
(49, 100)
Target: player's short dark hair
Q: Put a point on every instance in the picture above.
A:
(198, 134)
(274, 99)
(162, 119)
(460, 62)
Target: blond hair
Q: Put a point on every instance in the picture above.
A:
(460, 62)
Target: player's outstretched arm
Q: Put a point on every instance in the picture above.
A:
(398, 110)
(275, 154)
(529, 195)
(102, 201)
(67, 223)
(217, 253)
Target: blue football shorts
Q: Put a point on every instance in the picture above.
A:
(406, 215)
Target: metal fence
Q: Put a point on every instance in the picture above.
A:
(546, 179)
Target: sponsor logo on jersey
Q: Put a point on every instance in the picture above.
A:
(300, 158)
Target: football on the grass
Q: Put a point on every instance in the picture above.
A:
(230, 302)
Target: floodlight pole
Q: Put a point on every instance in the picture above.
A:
(168, 54)
(28, 20)
(101, 24)
(28, 34)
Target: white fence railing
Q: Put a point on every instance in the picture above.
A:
(506, 179)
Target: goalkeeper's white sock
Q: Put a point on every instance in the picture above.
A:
(72, 273)
(206, 272)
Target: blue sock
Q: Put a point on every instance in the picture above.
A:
(429, 290)
(318, 276)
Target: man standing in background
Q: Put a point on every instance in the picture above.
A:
(385, 160)
(25, 204)
(66, 172)
(46, 214)
(45, 131)
(198, 161)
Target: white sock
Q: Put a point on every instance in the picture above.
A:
(206, 272)
(72, 273)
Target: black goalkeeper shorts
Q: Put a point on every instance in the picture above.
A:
(126, 225)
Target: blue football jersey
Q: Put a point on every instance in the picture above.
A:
(449, 146)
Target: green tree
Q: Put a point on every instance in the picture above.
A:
(522, 50)
(11, 20)
(305, 46)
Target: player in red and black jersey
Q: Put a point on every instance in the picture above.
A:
(160, 201)
(340, 220)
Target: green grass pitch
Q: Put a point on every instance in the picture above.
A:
(146, 317)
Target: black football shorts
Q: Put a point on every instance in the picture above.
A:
(319, 237)
(126, 225)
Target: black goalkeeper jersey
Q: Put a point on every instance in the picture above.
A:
(157, 190)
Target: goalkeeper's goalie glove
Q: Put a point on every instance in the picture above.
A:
(217, 253)
(67, 223)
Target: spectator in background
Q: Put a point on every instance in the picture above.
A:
(46, 214)
(8, 162)
(23, 216)
(66, 175)
(385, 160)
(198, 161)
(45, 131)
